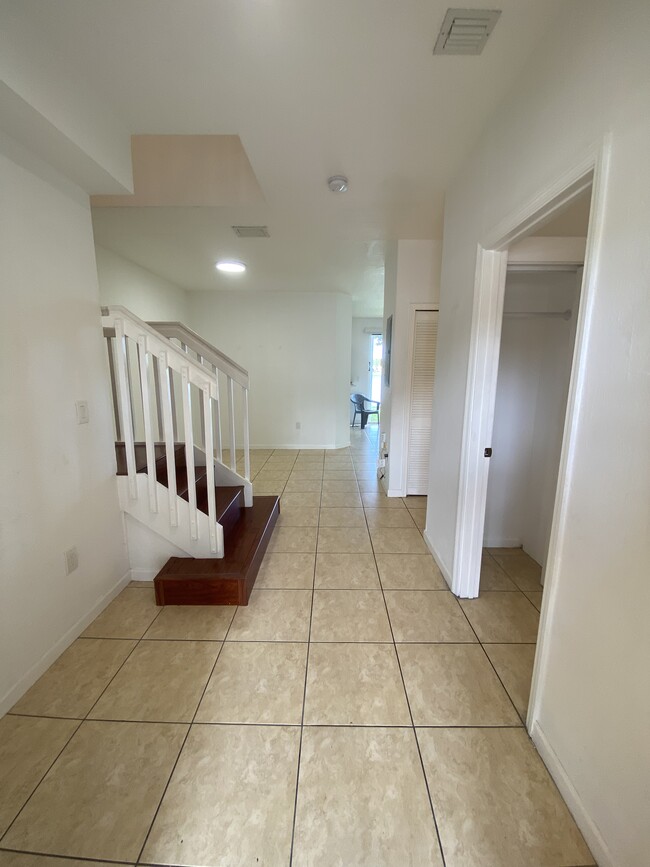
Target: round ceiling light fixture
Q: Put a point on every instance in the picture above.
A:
(231, 266)
(338, 184)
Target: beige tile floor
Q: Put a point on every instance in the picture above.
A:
(355, 713)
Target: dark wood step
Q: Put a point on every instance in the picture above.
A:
(225, 581)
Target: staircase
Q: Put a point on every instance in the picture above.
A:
(180, 472)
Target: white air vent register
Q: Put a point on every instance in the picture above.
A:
(465, 31)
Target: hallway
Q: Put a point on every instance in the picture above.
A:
(355, 713)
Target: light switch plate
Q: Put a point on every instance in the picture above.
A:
(83, 416)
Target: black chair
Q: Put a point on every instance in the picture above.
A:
(359, 402)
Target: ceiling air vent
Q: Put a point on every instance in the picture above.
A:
(465, 31)
(251, 231)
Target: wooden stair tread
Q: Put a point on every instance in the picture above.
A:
(222, 581)
(246, 531)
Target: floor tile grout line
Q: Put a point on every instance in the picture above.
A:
(81, 722)
(67, 857)
(302, 716)
(37, 786)
(408, 704)
(187, 734)
(492, 664)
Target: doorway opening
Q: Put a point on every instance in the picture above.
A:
(530, 264)
(375, 366)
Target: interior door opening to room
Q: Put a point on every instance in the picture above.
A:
(525, 238)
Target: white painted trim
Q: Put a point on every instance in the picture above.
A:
(569, 439)
(589, 829)
(491, 269)
(489, 289)
(391, 492)
(19, 689)
(302, 447)
(446, 572)
(144, 574)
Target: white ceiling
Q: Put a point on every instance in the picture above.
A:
(312, 89)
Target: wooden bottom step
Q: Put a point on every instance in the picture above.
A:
(228, 580)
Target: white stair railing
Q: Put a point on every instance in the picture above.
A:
(165, 381)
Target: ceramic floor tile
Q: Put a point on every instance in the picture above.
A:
(362, 801)
(521, 568)
(342, 518)
(339, 475)
(454, 685)
(369, 486)
(410, 572)
(299, 500)
(261, 489)
(340, 487)
(256, 682)
(355, 684)
(298, 516)
(22, 859)
(415, 502)
(502, 617)
(343, 540)
(162, 681)
(28, 746)
(72, 685)
(420, 616)
(129, 615)
(514, 665)
(398, 541)
(535, 597)
(303, 486)
(274, 474)
(293, 540)
(391, 518)
(192, 622)
(315, 474)
(349, 615)
(493, 577)
(286, 572)
(346, 572)
(381, 501)
(99, 798)
(230, 800)
(340, 501)
(517, 814)
(273, 615)
(420, 517)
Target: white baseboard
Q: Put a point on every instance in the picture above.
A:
(19, 689)
(302, 446)
(501, 542)
(391, 492)
(144, 574)
(589, 830)
(446, 574)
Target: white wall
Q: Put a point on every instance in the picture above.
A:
(533, 382)
(57, 479)
(413, 277)
(296, 348)
(588, 80)
(148, 296)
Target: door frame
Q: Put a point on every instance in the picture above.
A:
(406, 426)
(590, 170)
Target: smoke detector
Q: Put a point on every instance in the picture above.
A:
(465, 31)
(338, 184)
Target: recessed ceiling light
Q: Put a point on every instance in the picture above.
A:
(231, 266)
(338, 184)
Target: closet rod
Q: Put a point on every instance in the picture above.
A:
(565, 314)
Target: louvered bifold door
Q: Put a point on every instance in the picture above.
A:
(422, 377)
